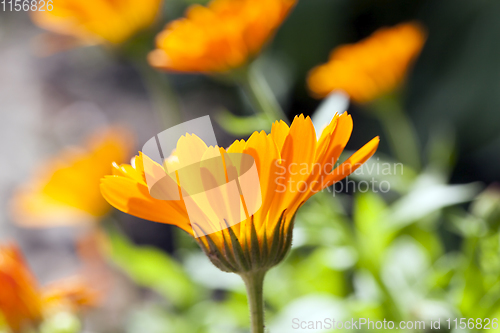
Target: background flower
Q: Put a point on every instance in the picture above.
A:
(372, 67)
(20, 302)
(65, 191)
(24, 305)
(224, 35)
(98, 21)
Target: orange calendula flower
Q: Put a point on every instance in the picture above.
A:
(23, 304)
(219, 37)
(70, 294)
(20, 302)
(66, 189)
(292, 165)
(97, 21)
(371, 67)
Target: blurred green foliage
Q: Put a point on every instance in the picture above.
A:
(364, 256)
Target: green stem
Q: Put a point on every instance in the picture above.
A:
(260, 94)
(254, 283)
(165, 100)
(389, 301)
(399, 130)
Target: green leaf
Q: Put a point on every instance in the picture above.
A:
(373, 231)
(487, 206)
(238, 126)
(369, 211)
(428, 238)
(154, 319)
(152, 268)
(427, 196)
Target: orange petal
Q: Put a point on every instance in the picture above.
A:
(267, 166)
(133, 198)
(339, 139)
(20, 301)
(297, 159)
(354, 162)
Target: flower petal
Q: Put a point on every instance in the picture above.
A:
(297, 159)
(279, 132)
(138, 202)
(354, 162)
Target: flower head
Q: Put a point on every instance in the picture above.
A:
(70, 294)
(23, 304)
(98, 21)
(66, 189)
(292, 165)
(20, 302)
(219, 37)
(371, 67)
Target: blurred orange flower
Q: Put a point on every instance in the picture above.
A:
(291, 164)
(219, 37)
(23, 304)
(71, 294)
(20, 301)
(371, 67)
(98, 21)
(66, 189)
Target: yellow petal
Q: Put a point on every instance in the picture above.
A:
(65, 190)
(279, 133)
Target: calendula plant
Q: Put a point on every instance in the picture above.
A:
(262, 239)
